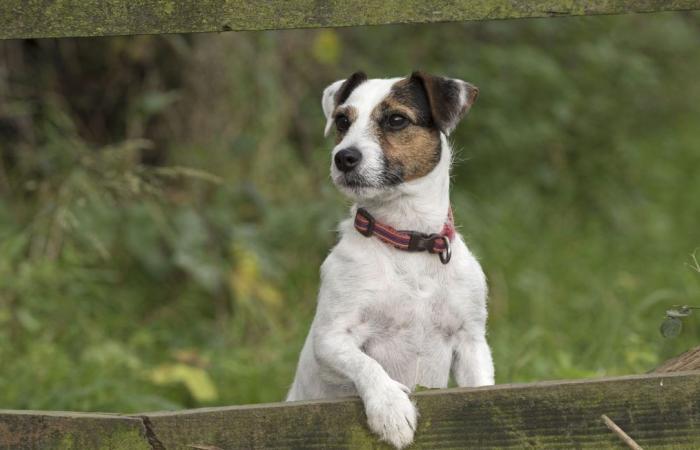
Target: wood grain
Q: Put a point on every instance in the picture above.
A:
(687, 361)
(657, 411)
(43, 430)
(68, 18)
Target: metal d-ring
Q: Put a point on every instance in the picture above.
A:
(446, 254)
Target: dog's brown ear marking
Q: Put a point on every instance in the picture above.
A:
(450, 99)
(348, 86)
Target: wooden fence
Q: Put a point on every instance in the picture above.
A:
(659, 410)
(64, 18)
(656, 410)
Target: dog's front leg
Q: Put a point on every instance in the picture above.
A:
(472, 365)
(390, 412)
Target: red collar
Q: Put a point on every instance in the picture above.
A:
(410, 241)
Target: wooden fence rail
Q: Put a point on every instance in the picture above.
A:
(656, 410)
(67, 18)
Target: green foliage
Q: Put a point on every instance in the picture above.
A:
(672, 324)
(165, 203)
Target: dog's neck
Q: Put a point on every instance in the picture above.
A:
(417, 205)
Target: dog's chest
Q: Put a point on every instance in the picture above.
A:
(412, 311)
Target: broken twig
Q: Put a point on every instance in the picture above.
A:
(621, 433)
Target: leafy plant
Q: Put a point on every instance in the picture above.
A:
(673, 324)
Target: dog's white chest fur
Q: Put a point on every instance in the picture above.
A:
(388, 320)
(408, 312)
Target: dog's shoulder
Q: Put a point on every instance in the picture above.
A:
(347, 260)
(466, 263)
(468, 280)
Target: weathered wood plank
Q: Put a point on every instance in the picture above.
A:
(657, 411)
(64, 18)
(21, 430)
(687, 361)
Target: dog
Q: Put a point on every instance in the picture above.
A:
(402, 301)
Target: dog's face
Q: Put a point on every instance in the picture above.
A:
(388, 131)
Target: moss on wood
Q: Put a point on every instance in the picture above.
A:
(70, 431)
(62, 18)
(658, 411)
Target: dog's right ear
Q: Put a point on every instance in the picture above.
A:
(450, 99)
(336, 94)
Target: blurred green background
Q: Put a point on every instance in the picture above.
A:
(165, 201)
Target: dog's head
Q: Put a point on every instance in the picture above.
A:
(389, 131)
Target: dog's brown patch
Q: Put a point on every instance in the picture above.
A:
(413, 151)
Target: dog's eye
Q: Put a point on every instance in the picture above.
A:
(397, 122)
(342, 123)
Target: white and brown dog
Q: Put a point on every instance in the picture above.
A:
(396, 309)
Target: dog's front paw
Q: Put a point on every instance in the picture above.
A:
(391, 414)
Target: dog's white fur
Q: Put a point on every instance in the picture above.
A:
(386, 320)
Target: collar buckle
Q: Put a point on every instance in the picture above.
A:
(422, 242)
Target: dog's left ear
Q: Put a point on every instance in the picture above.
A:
(450, 99)
(337, 93)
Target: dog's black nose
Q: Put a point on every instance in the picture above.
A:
(347, 159)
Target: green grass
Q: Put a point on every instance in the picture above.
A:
(191, 280)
